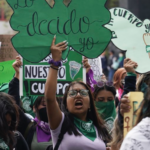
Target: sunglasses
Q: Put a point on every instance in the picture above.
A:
(107, 83)
(83, 93)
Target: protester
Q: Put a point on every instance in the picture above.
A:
(121, 60)
(112, 65)
(119, 81)
(9, 115)
(130, 85)
(139, 137)
(8, 121)
(85, 129)
(37, 133)
(104, 96)
(104, 64)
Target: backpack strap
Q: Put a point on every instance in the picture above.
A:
(61, 135)
(27, 129)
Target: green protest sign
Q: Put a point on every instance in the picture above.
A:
(132, 35)
(6, 71)
(81, 23)
(34, 75)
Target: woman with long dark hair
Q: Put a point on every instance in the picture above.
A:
(85, 129)
(104, 96)
(8, 121)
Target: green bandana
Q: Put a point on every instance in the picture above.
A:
(86, 128)
(27, 101)
(3, 145)
(107, 111)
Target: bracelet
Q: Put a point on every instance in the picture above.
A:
(54, 68)
(55, 63)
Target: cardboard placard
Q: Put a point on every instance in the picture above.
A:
(34, 75)
(7, 52)
(132, 35)
(130, 117)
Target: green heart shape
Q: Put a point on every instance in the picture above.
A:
(81, 24)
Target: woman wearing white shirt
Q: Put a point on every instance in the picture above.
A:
(85, 129)
(139, 137)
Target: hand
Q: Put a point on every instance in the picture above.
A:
(108, 148)
(130, 65)
(16, 65)
(146, 38)
(57, 49)
(125, 105)
(86, 64)
(103, 77)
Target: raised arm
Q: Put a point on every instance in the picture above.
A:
(86, 64)
(14, 91)
(53, 110)
(14, 83)
(130, 85)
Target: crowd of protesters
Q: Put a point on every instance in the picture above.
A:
(84, 118)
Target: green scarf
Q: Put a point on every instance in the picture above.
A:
(107, 111)
(3, 145)
(86, 128)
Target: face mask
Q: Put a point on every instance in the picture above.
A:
(107, 111)
(43, 114)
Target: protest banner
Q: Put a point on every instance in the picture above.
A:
(6, 71)
(132, 35)
(34, 75)
(7, 52)
(96, 66)
(81, 23)
(130, 117)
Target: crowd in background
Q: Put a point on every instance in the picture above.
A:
(84, 118)
(111, 62)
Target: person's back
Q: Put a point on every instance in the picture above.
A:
(9, 115)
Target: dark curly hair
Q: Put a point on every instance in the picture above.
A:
(92, 115)
(8, 106)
